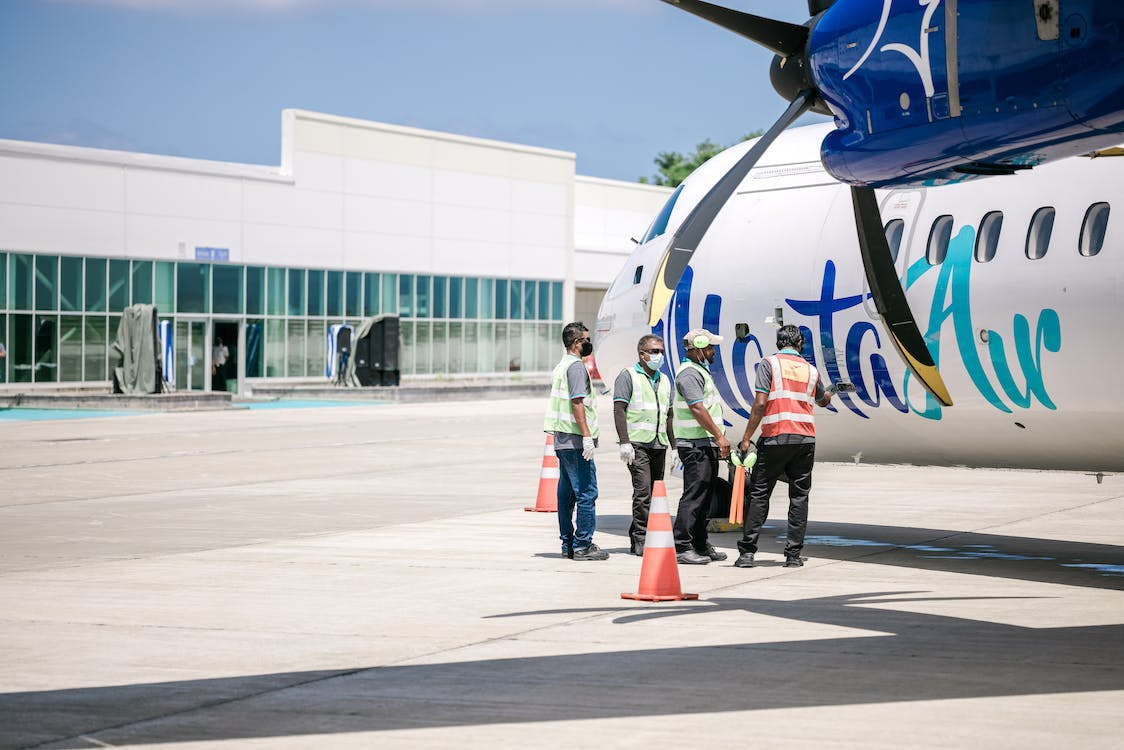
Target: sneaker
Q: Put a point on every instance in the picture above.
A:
(793, 561)
(690, 557)
(713, 554)
(745, 560)
(592, 552)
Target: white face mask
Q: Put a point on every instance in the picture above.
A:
(655, 362)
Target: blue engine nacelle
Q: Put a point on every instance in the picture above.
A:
(933, 90)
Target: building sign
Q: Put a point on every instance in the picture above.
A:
(212, 253)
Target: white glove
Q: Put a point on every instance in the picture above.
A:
(676, 467)
(587, 448)
(628, 453)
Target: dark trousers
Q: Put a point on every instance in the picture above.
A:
(700, 467)
(796, 462)
(646, 468)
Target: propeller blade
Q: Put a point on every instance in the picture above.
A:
(815, 7)
(784, 39)
(889, 297)
(695, 226)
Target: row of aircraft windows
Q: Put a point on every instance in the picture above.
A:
(1038, 233)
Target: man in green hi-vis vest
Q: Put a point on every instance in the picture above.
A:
(701, 441)
(571, 416)
(641, 414)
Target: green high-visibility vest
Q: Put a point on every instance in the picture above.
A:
(647, 409)
(559, 415)
(686, 426)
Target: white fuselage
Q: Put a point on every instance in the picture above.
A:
(1029, 348)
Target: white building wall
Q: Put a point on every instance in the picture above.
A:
(608, 215)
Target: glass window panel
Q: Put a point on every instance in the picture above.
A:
(95, 286)
(556, 300)
(1038, 235)
(527, 339)
(4, 340)
(227, 285)
(440, 298)
(406, 350)
(317, 347)
(315, 293)
(529, 300)
(142, 282)
(499, 358)
(501, 299)
(70, 348)
(353, 307)
(21, 347)
(119, 285)
(422, 308)
(275, 291)
(296, 356)
(275, 348)
(455, 358)
(95, 348)
(515, 347)
(3, 294)
(406, 294)
(388, 302)
(987, 241)
(544, 300)
(46, 348)
(939, 237)
(371, 287)
(423, 361)
(334, 300)
(255, 343)
(21, 282)
(487, 299)
(546, 350)
(165, 295)
(471, 347)
(471, 298)
(296, 291)
(70, 285)
(515, 300)
(486, 348)
(440, 353)
(894, 230)
(255, 290)
(1093, 229)
(46, 282)
(192, 287)
(456, 297)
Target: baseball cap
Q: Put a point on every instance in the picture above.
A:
(700, 338)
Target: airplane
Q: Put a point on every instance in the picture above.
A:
(923, 92)
(1018, 284)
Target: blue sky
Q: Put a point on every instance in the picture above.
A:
(615, 81)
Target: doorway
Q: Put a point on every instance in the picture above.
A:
(226, 368)
(191, 355)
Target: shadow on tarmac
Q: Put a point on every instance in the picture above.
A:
(1020, 558)
(909, 656)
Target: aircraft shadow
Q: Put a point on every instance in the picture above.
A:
(910, 657)
(946, 550)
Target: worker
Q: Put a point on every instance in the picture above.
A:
(787, 386)
(571, 416)
(642, 415)
(701, 441)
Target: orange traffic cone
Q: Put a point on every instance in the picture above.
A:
(547, 501)
(737, 495)
(659, 572)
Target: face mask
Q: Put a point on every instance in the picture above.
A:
(587, 348)
(655, 362)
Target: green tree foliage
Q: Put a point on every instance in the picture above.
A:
(675, 167)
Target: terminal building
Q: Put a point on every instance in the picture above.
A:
(483, 249)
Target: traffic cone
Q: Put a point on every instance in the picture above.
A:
(547, 501)
(659, 572)
(737, 495)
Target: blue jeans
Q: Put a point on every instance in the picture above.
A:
(577, 488)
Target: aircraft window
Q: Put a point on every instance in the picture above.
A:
(638, 275)
(988, 239)
(939, 237)
(1093, 229)
(659, 226)
(1038, 236)
(894, 229)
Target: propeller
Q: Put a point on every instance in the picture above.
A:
(790, 77)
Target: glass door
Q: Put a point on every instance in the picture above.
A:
(191, 355)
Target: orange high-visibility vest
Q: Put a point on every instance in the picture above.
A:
(791, 397)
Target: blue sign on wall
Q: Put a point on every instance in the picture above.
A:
(212, 253)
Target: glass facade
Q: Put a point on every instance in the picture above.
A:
(58, 321)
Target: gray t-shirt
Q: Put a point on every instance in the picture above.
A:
(764, 384)
(622, 391)
(577, 381)
(689, 382)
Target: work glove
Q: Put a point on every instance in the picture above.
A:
(587, 448)
(628, 453)
(676, 467)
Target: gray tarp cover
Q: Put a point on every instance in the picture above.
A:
(349, 377)
(134, 351)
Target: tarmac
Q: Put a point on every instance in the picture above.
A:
(364, 575)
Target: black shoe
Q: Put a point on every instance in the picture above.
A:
(638, 549)
(713, 554)
(745, 560)
(592, 552)
(690, 557)
(793, 561)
